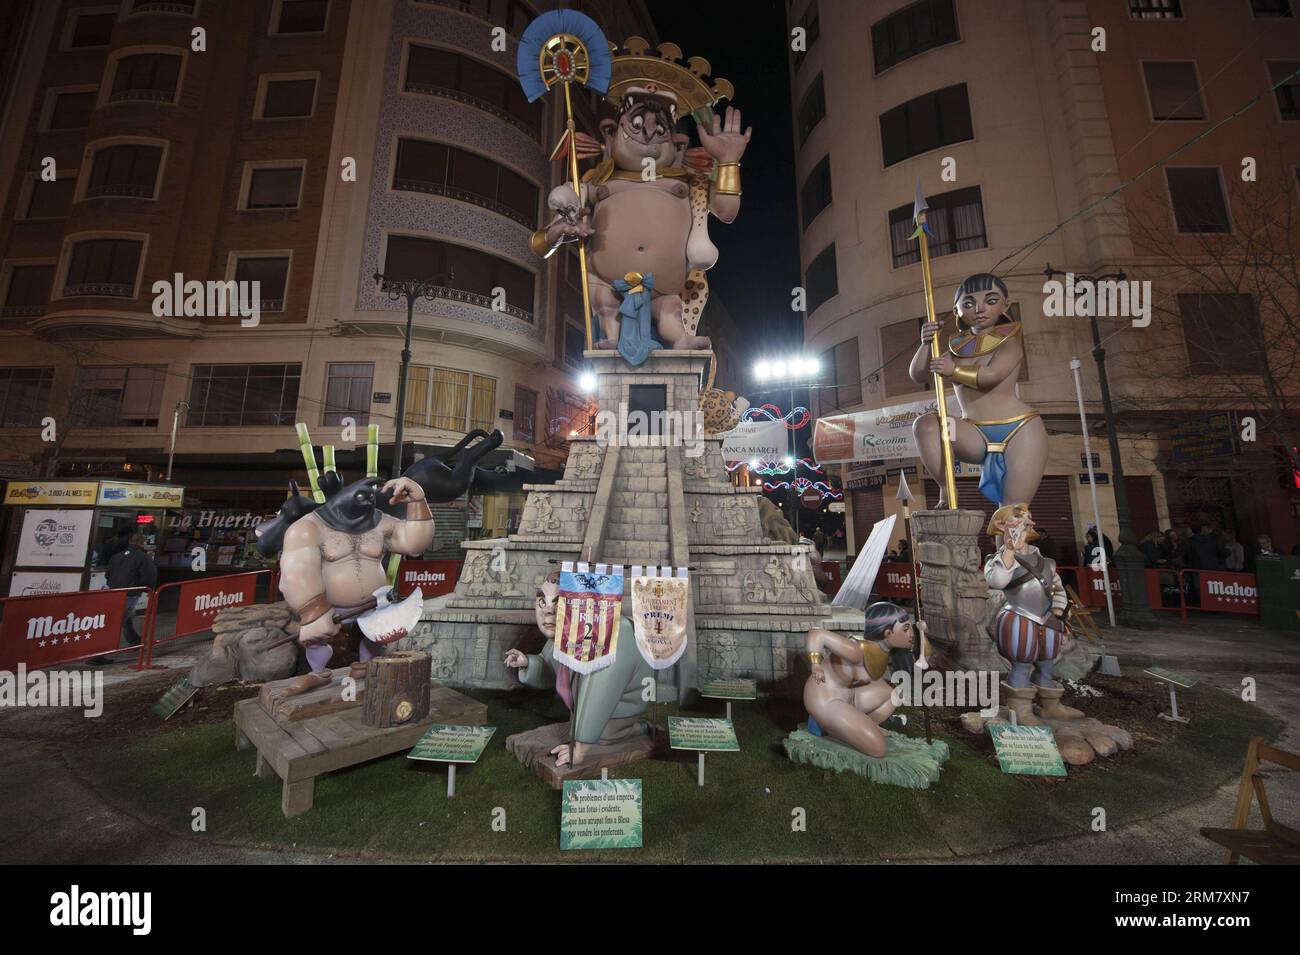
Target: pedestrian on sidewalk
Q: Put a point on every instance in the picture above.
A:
(132, 567)
(1236, 559)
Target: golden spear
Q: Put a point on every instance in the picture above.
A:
(920, 213)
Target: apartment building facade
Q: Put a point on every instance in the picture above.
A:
(306, 145)
(1015, 117)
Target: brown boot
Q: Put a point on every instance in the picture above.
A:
(1020, 701)
(1050, 706)
(308, 681)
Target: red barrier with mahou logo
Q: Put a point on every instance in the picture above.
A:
(433, 577)
(60, 628)
(200, 600)
(1227, 592)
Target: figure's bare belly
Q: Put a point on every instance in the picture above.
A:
(996, 405)
(642, 229)
(352, 569)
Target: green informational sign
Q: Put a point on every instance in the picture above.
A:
(1169, 676)
(721, 688)
(694, 732)
(1026, 750)
(170, 703)
(601, 814)
(452, 744)
(1279, 591)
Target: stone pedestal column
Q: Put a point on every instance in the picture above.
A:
(954, 594)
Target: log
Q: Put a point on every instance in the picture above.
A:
(397, 688)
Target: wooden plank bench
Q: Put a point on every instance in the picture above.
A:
(299, 750)
(1275, 844)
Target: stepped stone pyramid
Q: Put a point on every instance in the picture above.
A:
(633, 501)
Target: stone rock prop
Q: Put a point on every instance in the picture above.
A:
(242, 646)
(908, 762)
(1080, 741)
(775, 526)
(954, 594)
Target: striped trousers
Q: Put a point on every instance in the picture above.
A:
(1022, 640)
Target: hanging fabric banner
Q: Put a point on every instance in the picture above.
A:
(660, 610)
(586, 616)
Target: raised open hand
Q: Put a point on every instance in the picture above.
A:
(725, 142)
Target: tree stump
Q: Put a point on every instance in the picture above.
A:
(397, 689)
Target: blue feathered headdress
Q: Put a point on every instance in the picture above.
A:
(549, 25)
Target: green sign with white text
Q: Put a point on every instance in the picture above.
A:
(1169, 676)
(600, 814)
(693, 732)
(1026, 750)
(720, 688)
(452, 744)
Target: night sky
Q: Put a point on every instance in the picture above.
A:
(746, 42)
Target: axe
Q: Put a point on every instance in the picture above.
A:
(379, 618)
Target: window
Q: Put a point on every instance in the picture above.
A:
(272, 272)
(449, 399)
(575, 342)
(1198, 200)
(1222, 333)
(525, 414)
(225, 396)
(927, 122)
(347, 393)
(28, 290)
(812, 109)
(812, 30)
(956, 218)
(475, 273)
(1288, 94)
(50, 200)
(151, 77)
(821, 281)
(841, 378)
(898, 343)
(816, 193)
(288, 98)
(128, 170)
(91, 30)
(447, 171)
(1155, 9)
(1173, 91)
(1270, 8)
(119, 396)
(444, 73)
(103, 267)
(71, 110)
(274, 187)
(24, 396)
(518, 16)
(912, 30)
(300, 16)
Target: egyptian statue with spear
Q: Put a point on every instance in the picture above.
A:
(640, 217)
(983, 362)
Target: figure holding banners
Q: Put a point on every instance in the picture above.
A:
(586, 622)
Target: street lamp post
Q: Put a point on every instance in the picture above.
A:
(790, 372)
(1134, 611)
(411, 290)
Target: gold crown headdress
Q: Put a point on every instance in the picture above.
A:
(640, 69)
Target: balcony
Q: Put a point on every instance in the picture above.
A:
(97, 289)
(450, 192)
(119, 190)
(142, 96)
(469, 99)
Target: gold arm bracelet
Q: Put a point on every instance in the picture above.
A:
(728, 181)
(966, 375)
(814, 657)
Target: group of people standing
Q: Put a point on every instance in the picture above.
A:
(1205, 548)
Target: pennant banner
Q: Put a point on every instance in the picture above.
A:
(660, 614)
(586, 616)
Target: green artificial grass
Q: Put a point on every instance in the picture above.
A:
(398, 807)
